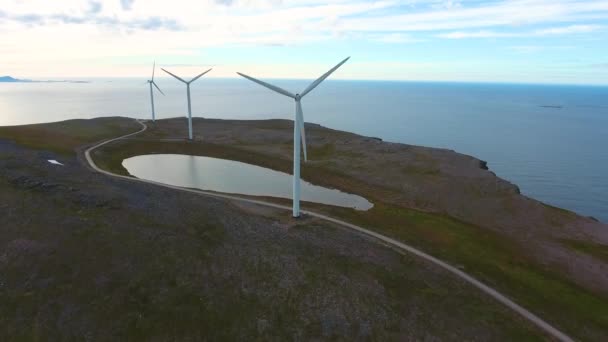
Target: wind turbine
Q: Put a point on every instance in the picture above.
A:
(188, 90)
(298, 128)
(151, 82)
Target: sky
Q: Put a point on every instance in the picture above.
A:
(521, 41)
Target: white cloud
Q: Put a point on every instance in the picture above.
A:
(572, 29)
(476, 34)
(538, 48)
(126, 4)
(448, 4)
(564, 30)
(400, 38)
(36, 34)
(495, 14)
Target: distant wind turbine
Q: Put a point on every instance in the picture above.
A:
(151, 82)
(188, 90)
(298, 128)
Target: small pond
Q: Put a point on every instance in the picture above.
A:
(233, 177)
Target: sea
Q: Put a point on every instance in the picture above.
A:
(550, 140)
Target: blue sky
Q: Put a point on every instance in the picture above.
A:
(529, 41)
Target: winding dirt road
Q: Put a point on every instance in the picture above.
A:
(539, 322)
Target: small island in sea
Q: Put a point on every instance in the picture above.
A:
(10, 79)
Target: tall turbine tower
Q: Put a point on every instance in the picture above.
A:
(298, 128)
(151, 82)
(188, 91)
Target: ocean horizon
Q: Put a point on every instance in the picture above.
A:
(549, 139)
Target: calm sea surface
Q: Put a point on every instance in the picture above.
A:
(557, 154)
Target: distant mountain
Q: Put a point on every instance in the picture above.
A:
(11, 79)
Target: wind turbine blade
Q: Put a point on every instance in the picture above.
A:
(269, 86)
(154, 83)
(199, 76)
(179, 78)
(314, 84)
(153, 68)
(300, 121)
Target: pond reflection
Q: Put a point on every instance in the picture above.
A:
(233, 177)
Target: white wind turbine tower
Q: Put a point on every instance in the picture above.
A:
(151, 82)
(298, 128)
(188, 90)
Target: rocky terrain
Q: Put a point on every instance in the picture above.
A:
(429, 179)
(87, 257)
(446, 203)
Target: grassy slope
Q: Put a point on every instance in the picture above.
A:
(65, 136)
(589, 248)
(490, 257)
(107, 260)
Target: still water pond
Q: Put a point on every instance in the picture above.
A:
(232, 177)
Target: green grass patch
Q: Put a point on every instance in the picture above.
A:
(65, 136)
(596, 250)
(322, 152)
(493, 258)
(417, 170)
